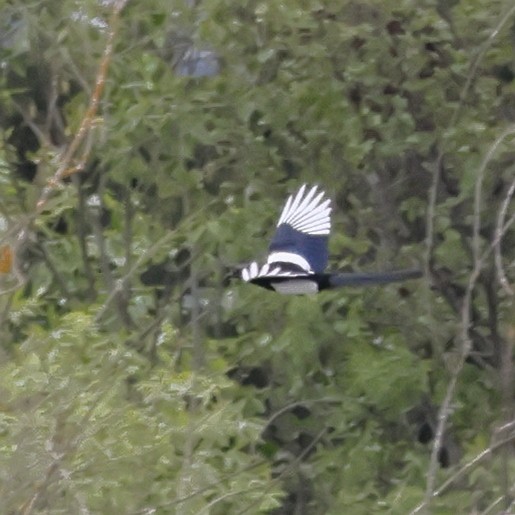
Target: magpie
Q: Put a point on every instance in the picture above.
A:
(298, 252)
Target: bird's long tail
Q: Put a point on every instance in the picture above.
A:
(370, 278)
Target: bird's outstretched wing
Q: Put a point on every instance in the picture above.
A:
(300, 241)
(299, 245)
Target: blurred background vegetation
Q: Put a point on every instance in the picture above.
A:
(146, 150)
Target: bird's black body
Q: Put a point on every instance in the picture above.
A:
(298, 252)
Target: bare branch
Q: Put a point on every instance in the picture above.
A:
(18, 232)
(464, 336)
(119, 289)
(498, 229)
(475, 63)
(465, 469)
(66, 167)
(479, 186)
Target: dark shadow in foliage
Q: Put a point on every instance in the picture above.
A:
(250, 376)
(423, 420)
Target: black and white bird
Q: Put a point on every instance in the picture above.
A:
(298, 252)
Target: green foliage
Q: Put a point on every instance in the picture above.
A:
(85, 404)
(136, 374)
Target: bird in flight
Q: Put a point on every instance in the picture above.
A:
(298, 252)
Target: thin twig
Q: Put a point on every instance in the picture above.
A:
(475, 63)
(119, 289)
(483, 455)
(478, 188)
(81, 233)
(202, 490)
(497, 251)
(120, 283)
(431, 212)
(72, 445)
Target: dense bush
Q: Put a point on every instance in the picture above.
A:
(146, 151)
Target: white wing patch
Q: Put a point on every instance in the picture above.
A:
(308, 213)
(267, 270)
(289, 257)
